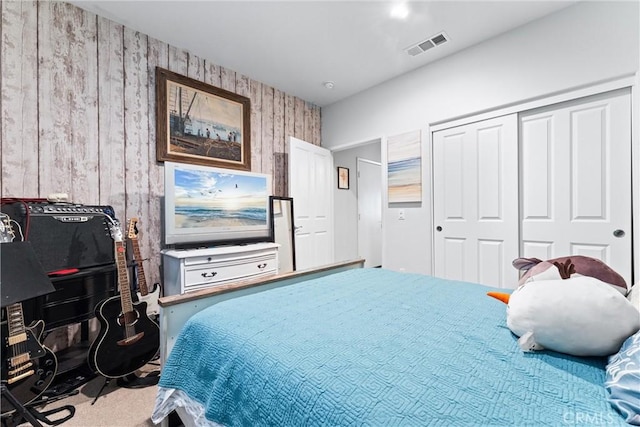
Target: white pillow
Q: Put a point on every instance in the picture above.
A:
(634, 296)
(582, 316)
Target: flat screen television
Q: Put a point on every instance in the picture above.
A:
(206, 205)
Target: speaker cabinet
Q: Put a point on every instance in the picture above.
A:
(66, 236)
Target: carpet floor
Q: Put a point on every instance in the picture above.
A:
(115, 407)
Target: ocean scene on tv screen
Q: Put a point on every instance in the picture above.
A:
(213, 199)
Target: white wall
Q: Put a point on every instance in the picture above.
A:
(345, 202)
(583, 44)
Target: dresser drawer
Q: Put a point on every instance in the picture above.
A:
(203, 260)
(187, 270)
(198, 275)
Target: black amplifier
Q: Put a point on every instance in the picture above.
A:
(65, 236)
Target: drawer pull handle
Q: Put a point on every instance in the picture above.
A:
(261, 266)
(213, 273)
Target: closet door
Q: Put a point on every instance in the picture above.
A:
(576, 180)
(475, 196)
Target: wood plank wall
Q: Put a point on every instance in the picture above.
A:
(77, 113)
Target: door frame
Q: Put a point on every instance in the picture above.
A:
(630, 80)
(358, 160)
(376, 146)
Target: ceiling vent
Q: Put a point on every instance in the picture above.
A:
(427, 44)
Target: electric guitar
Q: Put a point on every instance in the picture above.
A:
(28, 367)
(128, 339)
(151, 298)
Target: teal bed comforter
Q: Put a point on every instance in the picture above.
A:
(377, 348)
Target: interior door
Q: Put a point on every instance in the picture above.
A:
(311, 181)
(475, 196)
(369, 212)
(576, 180)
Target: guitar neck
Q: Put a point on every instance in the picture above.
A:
(142, 281)
(15, 320)
(123, 277)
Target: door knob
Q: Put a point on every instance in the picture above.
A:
(438, 228)
(618, 233)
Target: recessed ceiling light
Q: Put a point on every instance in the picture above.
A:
(399, 11)
(328, 84)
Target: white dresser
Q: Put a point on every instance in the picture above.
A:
(187, 270)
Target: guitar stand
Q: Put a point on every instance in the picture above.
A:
(131, 381)
(106, 383)
(32, 415)
(134, 381)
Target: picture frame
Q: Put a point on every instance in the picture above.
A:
(404, 168)
(201, 124)
(343, 178)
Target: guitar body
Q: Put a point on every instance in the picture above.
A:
(124, 345)
(28, 367)
(151, 299)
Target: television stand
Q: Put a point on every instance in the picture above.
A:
(194, 269)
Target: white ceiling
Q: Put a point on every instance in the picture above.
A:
(295, 46)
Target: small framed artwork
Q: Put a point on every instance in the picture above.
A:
(201, 124)
(343, 178)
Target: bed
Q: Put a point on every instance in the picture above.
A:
(371, 347)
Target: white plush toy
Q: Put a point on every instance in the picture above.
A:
(579, 315)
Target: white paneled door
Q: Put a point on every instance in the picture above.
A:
(311, 181)
(576, 180)
(475, 197)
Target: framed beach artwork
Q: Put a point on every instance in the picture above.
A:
(404, 167)
(201, 124)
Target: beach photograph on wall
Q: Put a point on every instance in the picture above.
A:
(404, 171)
(211, 198)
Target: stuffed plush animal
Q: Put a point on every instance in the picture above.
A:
(563, 311)
(567, 266)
